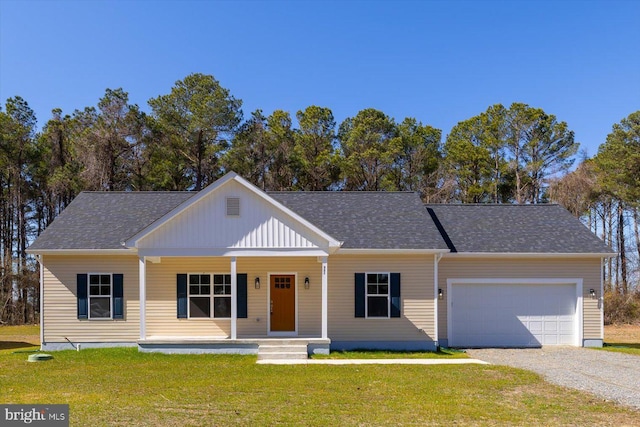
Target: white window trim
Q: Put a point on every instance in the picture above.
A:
(366, 295)
(99, 296)
(211, 296)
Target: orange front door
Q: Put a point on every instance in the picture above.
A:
(283, 303)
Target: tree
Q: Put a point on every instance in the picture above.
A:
(315, 158)
(540, 147)
(280, 146)
(18, 284)
(468, 161)
(618, 166)
(198, 118)
(248, 155)
(106, 139)
(370, 144)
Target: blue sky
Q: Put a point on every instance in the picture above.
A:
(438, 61)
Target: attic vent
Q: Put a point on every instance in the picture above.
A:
(233, 206)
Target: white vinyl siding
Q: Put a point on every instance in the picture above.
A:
(261, 225)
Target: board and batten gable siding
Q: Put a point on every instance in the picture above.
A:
(416, 295)
(587, 269)
(161, 304)
(206, 225)
(60, 315)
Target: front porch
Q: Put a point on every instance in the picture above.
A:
(265, 348)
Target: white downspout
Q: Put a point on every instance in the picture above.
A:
(142, 283)
(41, 262)
(436, 260)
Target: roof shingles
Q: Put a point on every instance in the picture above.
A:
(544, 228)
(102, 220)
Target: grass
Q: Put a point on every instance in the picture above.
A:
(123, 387)
(443, 353)
(622, 339)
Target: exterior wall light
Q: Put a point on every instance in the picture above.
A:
(306, 282)
(257, 283)
(592, 292)
(440, 293)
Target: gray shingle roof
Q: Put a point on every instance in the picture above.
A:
(543, 228)
(101, 220)
(362, 220)
(367, 220)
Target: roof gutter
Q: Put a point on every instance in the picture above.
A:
(357, 251)
(82, 251)
(529, 255)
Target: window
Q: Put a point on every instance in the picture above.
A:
(377, 296)
(100, 296)
(205, 301)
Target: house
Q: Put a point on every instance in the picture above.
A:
(226, 268)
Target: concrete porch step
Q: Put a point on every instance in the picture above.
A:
(280, 351)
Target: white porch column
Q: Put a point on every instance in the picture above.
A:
(142, 280)
(234, 299)
(325, 298)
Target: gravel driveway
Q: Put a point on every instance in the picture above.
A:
(612, 376)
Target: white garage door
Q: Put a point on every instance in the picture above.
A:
(512, 315)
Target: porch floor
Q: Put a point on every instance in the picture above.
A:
(223, 345)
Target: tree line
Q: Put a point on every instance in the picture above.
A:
(605, 191)
(196, 132)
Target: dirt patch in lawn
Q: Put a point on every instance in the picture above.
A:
(19, 337)
(622, 334)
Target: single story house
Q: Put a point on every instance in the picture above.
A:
(229, 267)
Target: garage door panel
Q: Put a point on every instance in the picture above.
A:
(512, 315)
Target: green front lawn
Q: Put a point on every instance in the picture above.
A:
(125, 387)
(627, 348)
(444, 353)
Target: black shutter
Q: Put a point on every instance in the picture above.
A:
(118, 296)
(360, 295)
(395, 294)
(241, 287)
(83, 303)
(182, 296)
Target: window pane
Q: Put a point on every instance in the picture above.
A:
(94, 279)
(94, 290)
(227, 279)
(205, 279)
(194, 289)
(372, 289)
(383, 278)
(217, 279)
(218, 289)
(99, 308)
(372, 278)
(105, 279)
(194, 279)
(222, 307)
(205, 290)
(105, 290)
(377, 307)
(383, 289)
(227, 289)
(199, 307)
